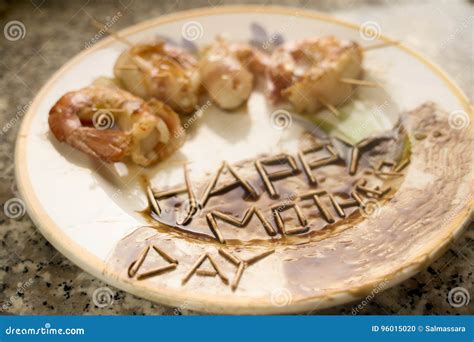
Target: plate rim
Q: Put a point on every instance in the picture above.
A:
(207, 303)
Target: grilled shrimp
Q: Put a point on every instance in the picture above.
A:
(308, 73)
(227, 71)
(112, 124)
(159, 70)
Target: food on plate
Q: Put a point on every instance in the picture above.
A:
(111, 124)
(160, 70)
(310, 73)
(228, 70)
(153, 81)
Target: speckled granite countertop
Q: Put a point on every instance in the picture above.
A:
(36, 279)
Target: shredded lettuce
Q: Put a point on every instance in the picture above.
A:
(357, 121)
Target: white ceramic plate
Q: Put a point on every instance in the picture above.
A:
(84, 209)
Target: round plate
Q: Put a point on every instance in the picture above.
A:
(93, 216)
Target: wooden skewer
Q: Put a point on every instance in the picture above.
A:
(336, 205)
(279, 221)
(344, 141)
(383, 163)
(139, 62)
(349, 203)
(211, 221)
(315, 148)
(401, 165)
(277, 175)
(156, 271)
(297, 230)
(381, 45)
(242, 181)
(258, 257)
(292, 163)
(300, 215)
(331, 150)
(332, 108)
(266, 180)
(234, 221)
(310, 194)
(233, 259)
(357, 197)
(388, 173)
(241, 264)
(152, 200)
(364, 83)
(354, 160)
(324, 161)
(269, 177)
(386, 190)
(267, 225)
(165, 255)
(324, 211)
(307, 169)
(169, 192)
(193, 206)
(194, 268)
(214, 264)
(364, 142)
(211, 185)
(224, 188)
(134, 266)
(238, 276)
(369, 190)
(206, 273)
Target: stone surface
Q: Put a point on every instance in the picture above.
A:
(36, 279)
